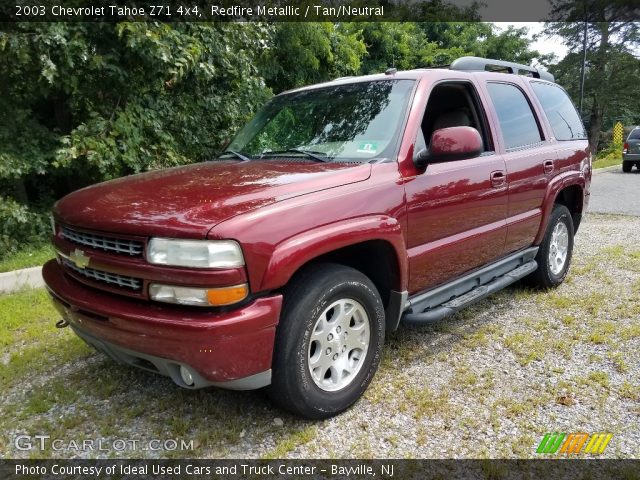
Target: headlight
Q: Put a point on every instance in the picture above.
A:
(203, 297)
(195, 253)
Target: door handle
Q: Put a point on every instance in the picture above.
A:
(548, 166)
(498, 178)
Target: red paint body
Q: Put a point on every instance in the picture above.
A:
(441, 222)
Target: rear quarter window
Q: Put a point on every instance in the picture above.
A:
(635, 134)
(562, 115)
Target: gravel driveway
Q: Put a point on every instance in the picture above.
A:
(489, 382)
(613, 191)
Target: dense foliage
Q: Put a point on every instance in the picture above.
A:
(612, 63)
(84, 102)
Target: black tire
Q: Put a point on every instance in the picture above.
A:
(545, 276)
(626, 166)
(311, 292)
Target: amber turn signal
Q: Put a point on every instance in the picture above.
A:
(227, 295)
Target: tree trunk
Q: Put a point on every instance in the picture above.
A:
(595, 124)
(599, 73)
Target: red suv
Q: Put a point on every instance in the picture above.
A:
(339, 211)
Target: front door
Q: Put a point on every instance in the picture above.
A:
(457, 209)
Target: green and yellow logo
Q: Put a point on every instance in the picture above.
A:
(573, 443)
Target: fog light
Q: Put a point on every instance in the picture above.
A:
(187, 378)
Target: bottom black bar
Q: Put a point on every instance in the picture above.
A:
(319, 469)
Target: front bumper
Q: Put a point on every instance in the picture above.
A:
(231, 349)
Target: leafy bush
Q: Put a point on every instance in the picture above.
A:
(20, 227)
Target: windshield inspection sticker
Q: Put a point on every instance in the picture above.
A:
(367, 147)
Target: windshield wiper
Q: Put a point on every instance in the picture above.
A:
(236, 154)
(314, 155)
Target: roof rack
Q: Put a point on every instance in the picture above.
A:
(488, 64)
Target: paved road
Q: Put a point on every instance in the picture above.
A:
(615, 192)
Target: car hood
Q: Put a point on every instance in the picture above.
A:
(188, 201)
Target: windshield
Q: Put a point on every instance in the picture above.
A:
(354, 122)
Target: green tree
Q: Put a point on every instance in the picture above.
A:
(417, 45)
(299, 53)
(83, 102)
(612, 71)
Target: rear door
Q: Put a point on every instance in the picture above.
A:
(530, 161)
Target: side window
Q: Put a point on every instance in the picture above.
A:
(562, 115)
(453, 104)
(634, 135)
(517, 120)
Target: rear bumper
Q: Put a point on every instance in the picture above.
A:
(631, 157)
(231, 349)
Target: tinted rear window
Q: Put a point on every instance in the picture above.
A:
(635, 134)
(517, 121)
(563, 117)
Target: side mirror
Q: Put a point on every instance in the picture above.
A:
(453, 143)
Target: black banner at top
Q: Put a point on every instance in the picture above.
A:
(318, 10)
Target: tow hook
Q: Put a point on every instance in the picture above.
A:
(62, 323)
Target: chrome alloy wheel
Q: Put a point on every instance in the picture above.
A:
(338, 345)
(558, 248)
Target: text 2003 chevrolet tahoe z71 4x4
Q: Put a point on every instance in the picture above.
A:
(339, 211)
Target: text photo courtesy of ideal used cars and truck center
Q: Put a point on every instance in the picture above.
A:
(319, 240)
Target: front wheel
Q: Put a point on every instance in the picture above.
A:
(328, 343)
(554, 255)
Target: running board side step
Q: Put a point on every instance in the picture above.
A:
(478, 293)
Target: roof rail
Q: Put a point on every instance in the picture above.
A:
(484, 64)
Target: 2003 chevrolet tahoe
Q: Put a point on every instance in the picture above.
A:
(339, 211)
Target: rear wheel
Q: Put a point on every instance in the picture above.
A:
(626, 166)
(554, 255)
(328, 343)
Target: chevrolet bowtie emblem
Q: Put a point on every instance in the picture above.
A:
(79, 258)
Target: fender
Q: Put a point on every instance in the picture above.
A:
(556, 185)
(293, 253)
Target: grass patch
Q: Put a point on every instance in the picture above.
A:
(42, 358)
(602, 333)
(630, 332)
(514, 409)
(595, 379)
(525, 347)
(30, 342)
(607, 159)
(624, 257)
(26, 317)
(464, 378)
(424, 402)
(629, 391)
(296, 439)
(29, 257)
(619, 362)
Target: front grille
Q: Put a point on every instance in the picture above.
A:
(109, 244)
(131, 283)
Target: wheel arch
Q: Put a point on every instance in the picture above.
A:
(572, 197)
(567, 190)
(372, 245)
